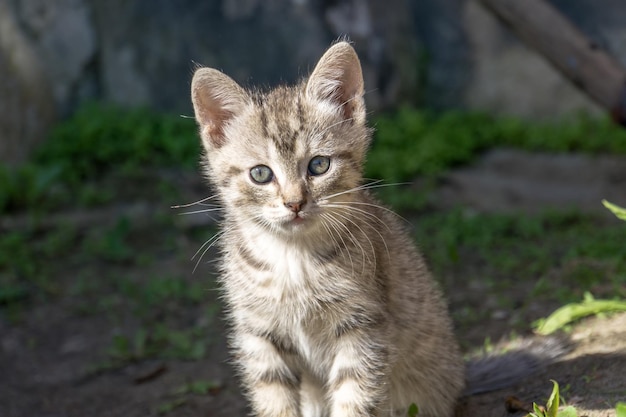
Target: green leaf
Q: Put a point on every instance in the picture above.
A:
(617, 210)
(413, 410)
(568, 411)
(552, 406)
(538, 412)
(575, 311)
(620, 409)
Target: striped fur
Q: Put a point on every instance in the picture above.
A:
(333, 312)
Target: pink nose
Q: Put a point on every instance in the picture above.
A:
(295, 206)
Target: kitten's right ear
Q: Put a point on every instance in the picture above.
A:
(338, 79)
(216, 98)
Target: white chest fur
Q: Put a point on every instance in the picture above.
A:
(286, 298)
(292, 265)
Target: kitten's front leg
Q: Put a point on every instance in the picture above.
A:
(273, 388)
(358, 377)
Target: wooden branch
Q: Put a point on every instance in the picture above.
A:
(582, 61)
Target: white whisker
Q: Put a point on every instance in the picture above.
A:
(373, 259)
(351, 190)
(199, 202)
(349, 207)
(355, 212)
(362, 203)
(209, 244)
(209, 210)
(333, 224)
(336, 244)
(369, 185)
(353, 238)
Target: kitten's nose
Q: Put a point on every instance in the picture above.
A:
(295, 206)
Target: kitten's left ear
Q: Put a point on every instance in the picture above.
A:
(338, 79)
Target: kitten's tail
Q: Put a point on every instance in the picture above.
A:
(494, 371)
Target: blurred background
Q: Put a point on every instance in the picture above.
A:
(108, 298)
(442, 54)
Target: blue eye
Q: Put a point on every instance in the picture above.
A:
(318, 165)
(261, 174)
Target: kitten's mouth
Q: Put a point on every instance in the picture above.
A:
(295, 221)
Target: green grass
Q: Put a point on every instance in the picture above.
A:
(96, 142)
(411, 142)
(564, 254)
(101, 138)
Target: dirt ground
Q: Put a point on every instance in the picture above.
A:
(55, 351)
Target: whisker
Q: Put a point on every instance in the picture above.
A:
(200, 211)
(366, 213)
(369, 185)
(361, 212)
(333, 223)
(211, 239)
(209, 244)
(352, 238)
(362, 203)
(332, 237)
(351, 190)
(194, 203)
(373, 259)
(376, 185)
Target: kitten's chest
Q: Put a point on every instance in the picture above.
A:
(293, 268)
(290, 284)
(287, 271)
(298, 297)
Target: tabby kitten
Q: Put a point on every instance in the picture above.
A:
(333, 311)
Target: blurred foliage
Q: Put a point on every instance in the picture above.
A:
(101, 139)
(96, 141)
(586, 254)
(411, 142)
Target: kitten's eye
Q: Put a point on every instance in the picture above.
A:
(318, 165)
(261, 174)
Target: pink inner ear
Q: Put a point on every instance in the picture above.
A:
(348, 102)
(216, 99)
(338, 78)
(213, 122)
(210, 117)
(347, 95)
(213, 133)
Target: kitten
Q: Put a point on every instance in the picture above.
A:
(333, 311)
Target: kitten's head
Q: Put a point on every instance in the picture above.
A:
(281, 159)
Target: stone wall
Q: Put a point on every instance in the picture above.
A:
(55, 54)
